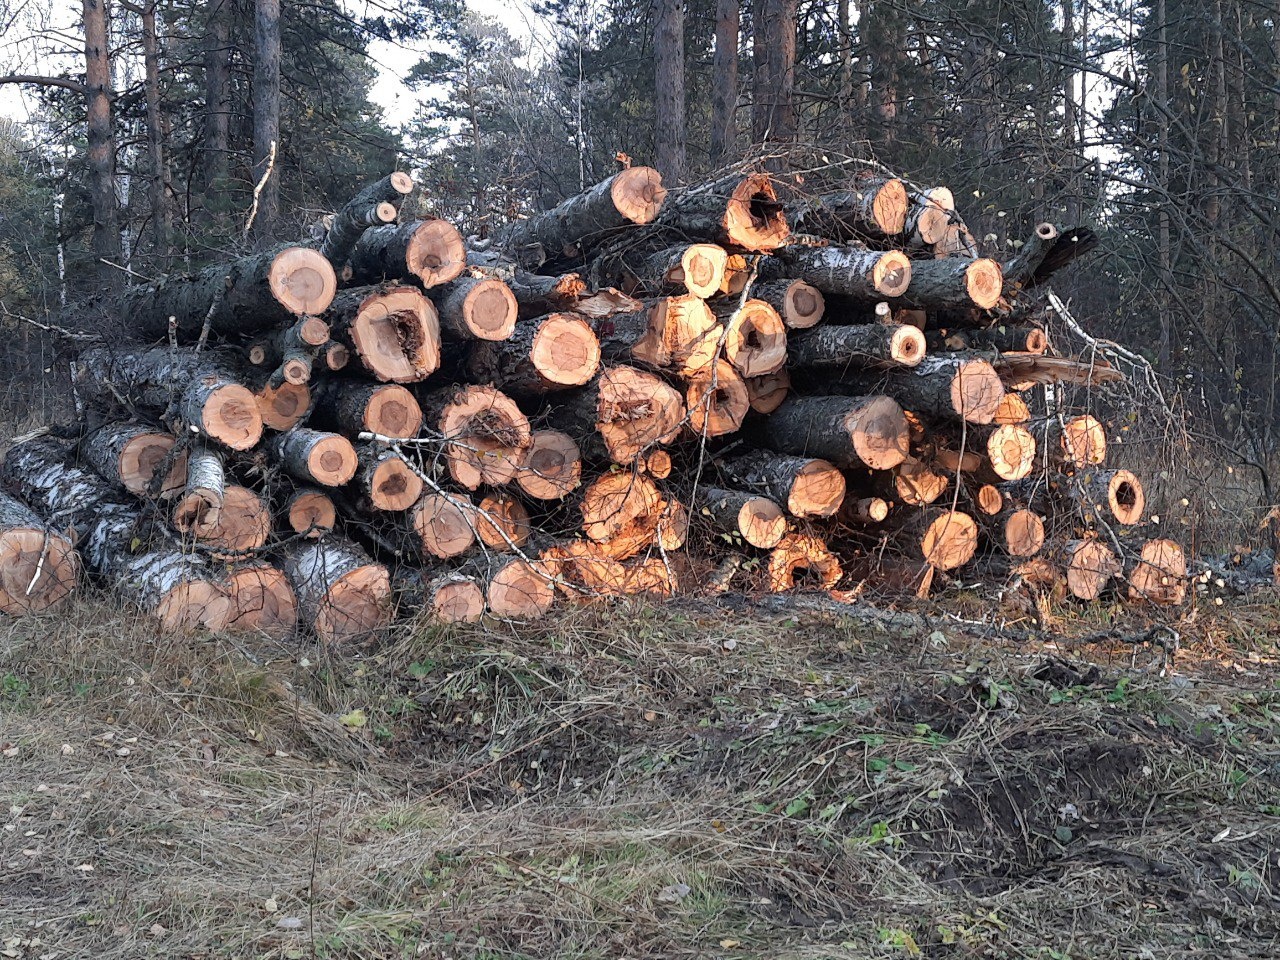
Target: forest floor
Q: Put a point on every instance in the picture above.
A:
(641, 781)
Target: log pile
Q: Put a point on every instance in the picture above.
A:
(641, 391)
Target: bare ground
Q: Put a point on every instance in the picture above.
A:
(642, 781)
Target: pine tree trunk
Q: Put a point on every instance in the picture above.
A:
(158, 185)
(216, 149)
(724, 80)
(267, 55)
(101, 153)
(669, 105)
(773, 105)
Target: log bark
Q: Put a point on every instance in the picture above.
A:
(873, 210)
(1159, 574)
(200, 390)
(427, 252)
(846, 431)
(551, 468)
(800, 304)
(476, 308)
(747, 517)
(131, 454)
(38, 567)
(385, 481)
(441, 594)
(515, 589)
(871, 345)
(1019, 271)
(756, 339)
(928, 217)
(945, 386)
(200, 505)
(314, 456)
(352, 407)
(620, 414)
(803, 561)
(742, 213)
(394, 331)
(567, 232)
(375, 205)
(307, 511)
(862, 275)
(342, 594)
(679, 334)
(485, 431)
(240, 298)
(803, 486)
(955, 283)
(717, 401)
(556, 352)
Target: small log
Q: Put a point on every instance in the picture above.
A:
(443, 595)
(717, 401)
(696, 269)
(801, 305)
(953, 284)
(858, 511)
(130, 454)
(1020, 271)
(336, 355)
(201, 502)
(428, 252)
(942, 538)
(240, 298)
(757, 520)
(916, 484)
(738, 212)
(314, 456)
(292, 350)
(342, 594)
(802, 561)
(874, 209)
(443, 525)
(755, 341)
(386, 482)
(515, 588)
(987, 500)
(767, 392)
(1004, 338)
(928, 217)
(1109, 495)
(680, 334)
(375, 205)
(393, 330)
(282, 407)
(38, 567)
(1013, 409)
(1090, 566)
(846, 431)
(1015, 530)
(485, 431)
(945, 386)
(201, 391)
(1159, 575)
(658, 464)
(551, 467)
(805, 487)
(261, 600)
(859, 346)
(241, 525)
(476, 308)
(352, 407)
(308, 511)
(567, 232)
(502, 522)
(1076, 441)
(620, 414)
(863, 275)
(556, 352)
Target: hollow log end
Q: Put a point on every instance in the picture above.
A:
(436, 253)
(397, 334)
(754, 218)
(802, 561)
(145, 454)
(907, 346)
(717, 401)
(768, 392)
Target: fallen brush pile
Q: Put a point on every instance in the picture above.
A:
(636, 392)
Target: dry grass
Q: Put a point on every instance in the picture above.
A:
(640, 782)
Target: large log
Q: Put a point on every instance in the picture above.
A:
(1159, 574)
(738, 212)
(441, 594)
(747, 517)
(393, 330)
(755, 339)
(802, 561)
(862, 275)
(620, 414)
(874, 209)
(567, 232)
(717, 401)
(199, 390)
(314, 456)
(515, 588)
(130, 454)
(342, 594)
(846, 431)
(352, 407)
(38, 567)
(551, 467)
(485, 433)
(428, 252)
(856, 346)
(556, 352)
(239, 298)
(804, 486)
(953, 283)
(679, 334)
(476, 308)
(946, 386)
(801, 305)
(375, 205)
(241, 525)
(1076, 441)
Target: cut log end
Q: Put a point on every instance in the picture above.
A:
(436, 253)
(702, 266)
(768, 392)
(1012, 409)
(890, 206)
(313, 331)
(284, 406)
(1024, 533)
(906, 346)
(401, 182)
(756, 343)
(392, 411)
(397, 335)
(458, 600)
(891, 274)
(950, 540)
(864, 511)
(393, 485)
(243, 524)
(761, 522)
(803, 305)
(638, 194)
(502, 522)
(520, 591)
(878, 431)
(302, 280)
(1120, 493)
(38, 570)
(984, 281)
(551, 467)
(1090, 567)
(311, 513)
(194, 603)
(355, 605)
(976, 391)
(1160, 575)
(444, 524)
(1084, 441)
(565, 350)
(296, 370)
(917, 485)
(817, 490)
(717, 401)
(142, 456)
(332, 460)
(336, 356)
(658, 464)
(989, 500)
(635, 410)
(230, 415)
(490, 310)
(489, 434)
(754, 217)
(802, 562)
(261, 601)
(1011, 451)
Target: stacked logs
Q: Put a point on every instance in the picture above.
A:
(635, 392)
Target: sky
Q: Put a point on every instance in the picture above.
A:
(20, 52)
